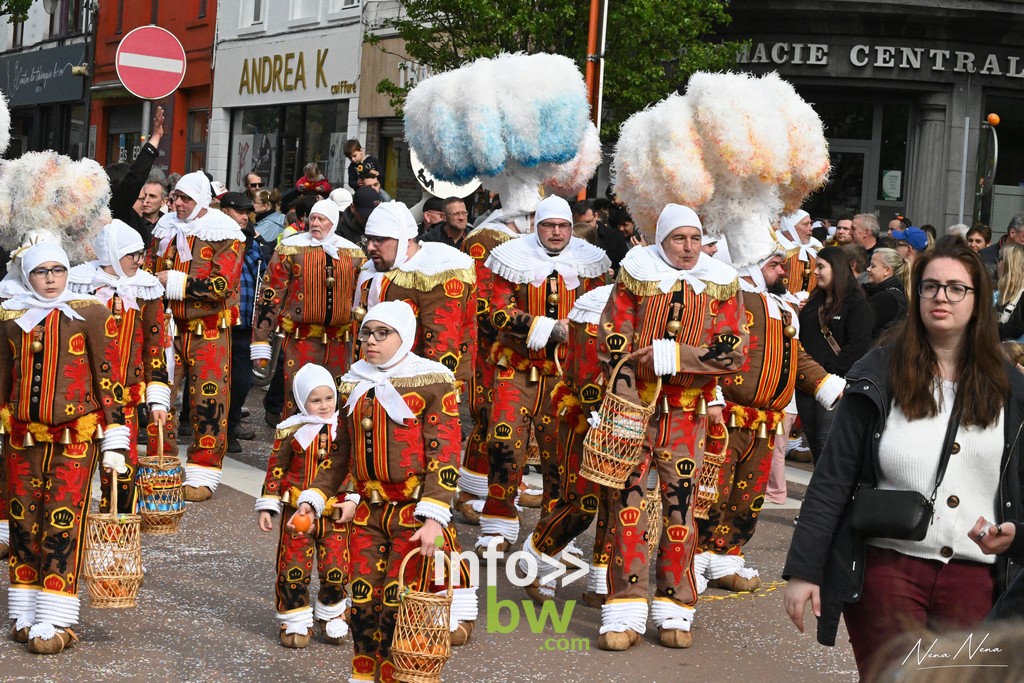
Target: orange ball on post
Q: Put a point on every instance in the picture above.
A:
(993, 119)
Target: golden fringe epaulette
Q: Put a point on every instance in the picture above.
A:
(288, 250)
(286, 432)
(425, 283)
(651, 288)
(75, 303)
(413, 382)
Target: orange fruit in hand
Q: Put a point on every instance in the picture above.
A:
(301, 523)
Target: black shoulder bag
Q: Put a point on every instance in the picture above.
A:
(903, 515)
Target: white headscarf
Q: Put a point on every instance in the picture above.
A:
(553, 207)
(399, 316)
(27, 299)
(308, 378)
(389, 219)
(118, 239)
(774, 303)
(673, 217)
(330, 242)
(788, 226)
(197, 186)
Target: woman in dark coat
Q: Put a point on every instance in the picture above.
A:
(945, 364)
(888, 279)
(835, 328)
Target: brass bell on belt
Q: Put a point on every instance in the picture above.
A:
(99, 432)
(279, 333)
(553, 298)
(348, 336)
(762, 431)
(673, 327)
(323, 339)
(358, 312)
(732, 420)
(417, 492)
(789, 331)
(534, 375)
(366, 423)
(65, 438)
(29, 441)
(295, 334)
(664, 404)
(3, 430)
(37, 346)
(223, 322)
(375, 497)
(702, 406)
(199, 328)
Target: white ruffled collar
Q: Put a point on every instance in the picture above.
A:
(644, 264)
(331, 244)
(524, 260)
(90, 278)
(588, 308)
(212, 226)
(433, 258)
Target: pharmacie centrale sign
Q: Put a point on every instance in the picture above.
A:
(896, 60)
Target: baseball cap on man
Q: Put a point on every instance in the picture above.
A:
(365, 200)
(236, 200)
(915, 237)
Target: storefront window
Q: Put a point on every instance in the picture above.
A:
(277, 142)
(848, 120)
(892, 155)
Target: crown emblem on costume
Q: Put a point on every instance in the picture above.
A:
(629, 516)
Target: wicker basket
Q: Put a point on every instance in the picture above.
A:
(113, 557)
(611, 450)
(422, 641)
(707, 488)
(161, 498)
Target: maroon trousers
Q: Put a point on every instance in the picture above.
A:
(903, 593)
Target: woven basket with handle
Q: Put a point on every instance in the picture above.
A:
(422, 642)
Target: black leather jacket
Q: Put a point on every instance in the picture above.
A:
(824, 549)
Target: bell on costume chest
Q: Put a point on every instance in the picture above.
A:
(169, 264)
(366, 423)
(673, 327)
(553, 298)
(789, 331)
(36, 346)
(358, 313)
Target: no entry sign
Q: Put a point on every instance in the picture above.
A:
(150, 62)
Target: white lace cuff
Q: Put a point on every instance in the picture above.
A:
(314, 498)
(116, 438)
(829, 391)
(175, 289)
(260, 351)
(158, 396)
(268, 504)
(440, 514)
(666, 357)
(719, 399)
(540, 332)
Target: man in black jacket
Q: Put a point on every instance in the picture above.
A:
(126, 181)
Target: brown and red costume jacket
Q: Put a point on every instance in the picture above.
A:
(524, 313)
(710, 341)
(582, 386)
(142, 336)
(776, 365)
(292, 468)
(800, 276)
(308, 293)
(384, 461)
(202, 292)
(438, 282)
(479, 244)
(72, 383)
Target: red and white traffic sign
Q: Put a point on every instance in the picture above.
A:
(150, 62)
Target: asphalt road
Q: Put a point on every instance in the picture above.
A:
(206, 613)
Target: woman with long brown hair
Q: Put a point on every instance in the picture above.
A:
(835, 328)
(940, 392)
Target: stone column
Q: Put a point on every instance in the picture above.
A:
(926, 185)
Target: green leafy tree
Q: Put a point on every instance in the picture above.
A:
(15, 10)
(652, 46)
